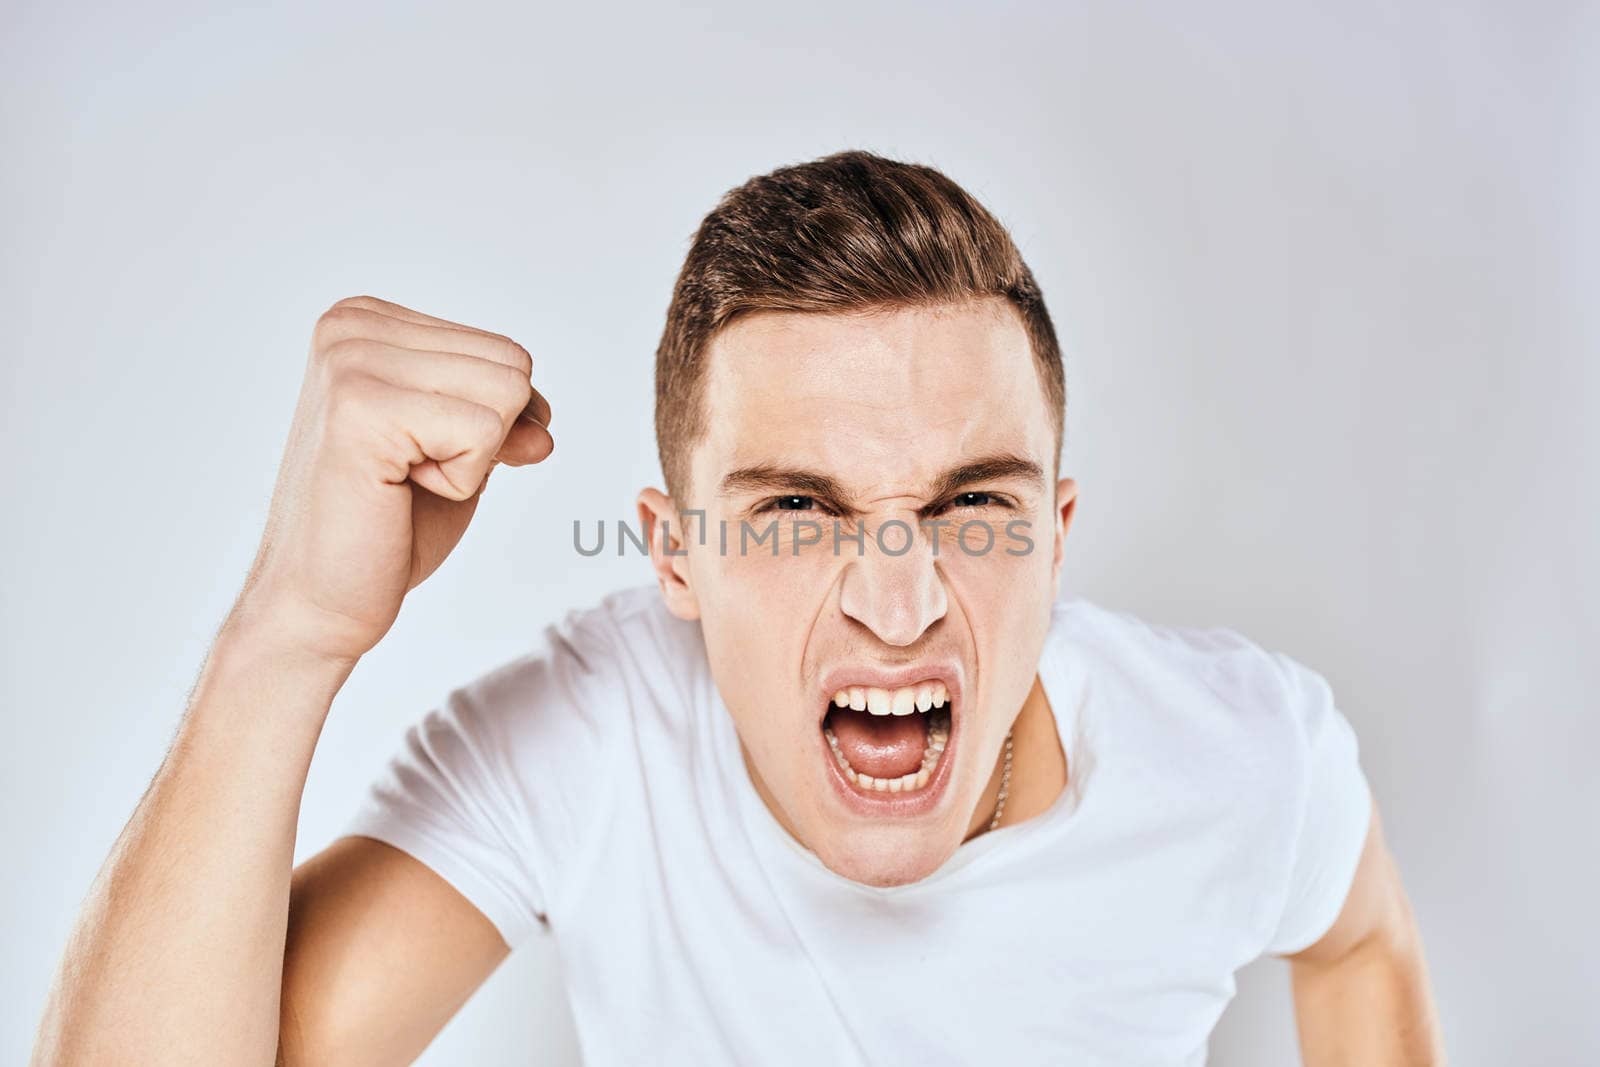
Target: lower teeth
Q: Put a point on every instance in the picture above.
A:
(938, 737)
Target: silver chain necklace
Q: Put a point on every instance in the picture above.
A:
(1005, 785)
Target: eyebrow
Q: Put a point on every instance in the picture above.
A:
(1002, 466)
(766, 477)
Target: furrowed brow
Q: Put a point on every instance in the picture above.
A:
(999, 467)
(771, 479)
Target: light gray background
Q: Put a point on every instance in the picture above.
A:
(1319, 270)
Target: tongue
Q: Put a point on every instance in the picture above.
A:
(884, 746)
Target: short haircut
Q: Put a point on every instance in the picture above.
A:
(848, 232)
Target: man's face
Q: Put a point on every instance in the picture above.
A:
(897, 470)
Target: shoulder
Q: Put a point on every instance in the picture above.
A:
(1222, 658)
(500, 787)
(590, 671)
(1195, 682)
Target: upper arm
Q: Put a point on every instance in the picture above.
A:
(1361, 991)
(381, 952)
(1330, 806)
(454, 854)
(1375, 910)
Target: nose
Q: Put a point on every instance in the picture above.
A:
(897, 595)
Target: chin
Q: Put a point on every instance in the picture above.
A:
(885, 860)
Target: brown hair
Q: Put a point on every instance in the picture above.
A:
(849, 232)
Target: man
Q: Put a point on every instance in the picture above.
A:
(849, 786)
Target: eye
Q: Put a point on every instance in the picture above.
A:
(794, 503)
(972, 500)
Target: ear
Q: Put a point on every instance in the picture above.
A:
(669, 552)
(1066, 499)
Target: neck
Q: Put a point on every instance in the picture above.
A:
(1038, 767)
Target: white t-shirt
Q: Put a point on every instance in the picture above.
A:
(1215, 812)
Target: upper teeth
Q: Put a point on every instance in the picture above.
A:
(903, 701)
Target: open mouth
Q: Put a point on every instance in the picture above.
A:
(889, 740)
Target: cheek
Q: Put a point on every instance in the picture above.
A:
(1007, 553)
(757, 609)
(996, 590)
(780, 568)
(1005, 591)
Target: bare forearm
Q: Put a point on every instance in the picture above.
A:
(1371, 1008)
(178, 955)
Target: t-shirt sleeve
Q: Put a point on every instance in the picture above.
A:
(1335, 812)
(482, 789)
(438, 801)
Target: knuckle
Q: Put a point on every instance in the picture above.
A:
(346, 355)
(333, 325)
(350, 401)
(487, 427)
(517, 390)
(515, 355)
